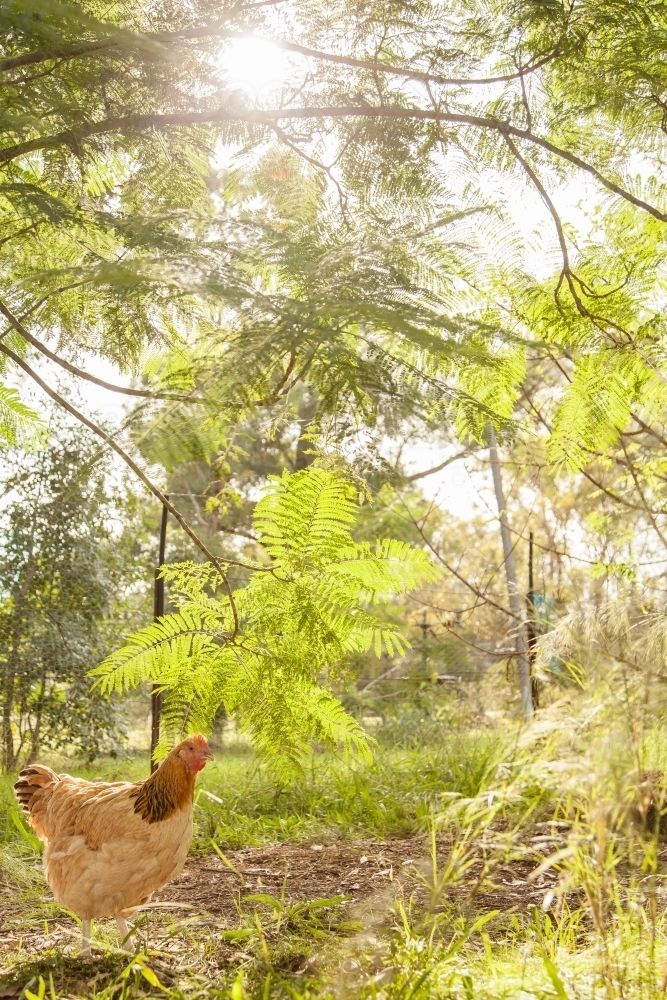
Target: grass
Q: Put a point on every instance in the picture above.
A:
(334, 799)
(536, 881)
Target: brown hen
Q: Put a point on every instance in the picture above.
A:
(110, 846)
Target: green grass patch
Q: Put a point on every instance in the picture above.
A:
(476, 921)
(241, 803)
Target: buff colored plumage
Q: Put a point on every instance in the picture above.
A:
(110, 846)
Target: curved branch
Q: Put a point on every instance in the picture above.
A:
(213, 30)
(651, 514)
(381, 67)
(144, 393)
(90, 48)
(570, 276)
(471, 586)
(20, 232)
(278, 389)
(40, 302)
(136, 122)
(327, 170)
(66, 52)
(502, 654)
(566, 271)
(437, 468)
(139, 473)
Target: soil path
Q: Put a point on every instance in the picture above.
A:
(312, 871)
(357, 870)
(365, 875)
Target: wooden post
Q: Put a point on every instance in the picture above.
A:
(517, 606)
(425, 626)
(530, 625)
(158, 611)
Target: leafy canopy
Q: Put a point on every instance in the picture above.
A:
(354, 249)
(353, 245)
(304, 609)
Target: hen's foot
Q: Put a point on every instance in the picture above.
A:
(85, 937)
(126, 932)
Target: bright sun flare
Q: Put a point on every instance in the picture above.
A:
(254, 65)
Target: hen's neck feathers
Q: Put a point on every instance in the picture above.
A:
(169, 789)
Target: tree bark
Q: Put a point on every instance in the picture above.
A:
(37, 731)
(156, 693)
(517, 606)
(531, 628)
(9, 757)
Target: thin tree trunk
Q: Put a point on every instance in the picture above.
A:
(9, 756)
(156, 694)
(517, 606)
(7, 704)
(37, 731)
(531, 629)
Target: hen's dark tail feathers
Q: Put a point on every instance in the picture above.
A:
(32, 779)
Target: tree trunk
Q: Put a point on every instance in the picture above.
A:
(37, 730)
(9, 756)
(307, 411)
(517, 606)
(531, 629)
(11, 669)
(7, 704)
(158, 609)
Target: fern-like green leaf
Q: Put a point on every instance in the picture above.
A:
(305, 617)
(305, 516)
(158, 649)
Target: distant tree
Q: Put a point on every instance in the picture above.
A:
(56, 592)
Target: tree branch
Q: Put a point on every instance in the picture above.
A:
(651, 514)
(20, 232)
(566, 271)
(218, 30)
(437, 468)
(381, 67)
(284, 137)
(96, 429)
(137, 122)
(40, 302)
(278, 389)
(91, 48)
(66, 52)
(471, 586)
(144, 393)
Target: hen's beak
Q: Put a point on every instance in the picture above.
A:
(207, 755)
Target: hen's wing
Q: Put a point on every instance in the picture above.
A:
(61, 806)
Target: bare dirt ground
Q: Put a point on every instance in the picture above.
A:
(315, 871)
(201, 923)
(360, 872)
(209, 886)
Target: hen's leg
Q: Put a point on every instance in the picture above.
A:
(126, 934)
(85, 937)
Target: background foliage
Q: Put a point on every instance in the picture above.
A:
(62, 582)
